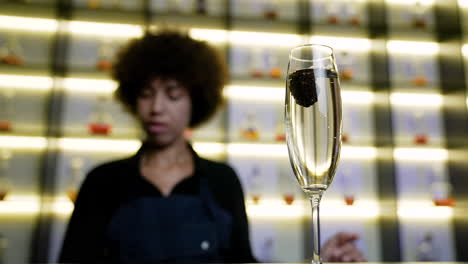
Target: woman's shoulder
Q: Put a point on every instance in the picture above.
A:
(217, 169)
(220, 175)
(111, 170)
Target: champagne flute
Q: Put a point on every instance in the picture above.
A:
(313, 124)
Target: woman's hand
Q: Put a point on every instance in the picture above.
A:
(341, 248)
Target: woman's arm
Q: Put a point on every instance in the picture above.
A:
(84, 240)
(341, 248)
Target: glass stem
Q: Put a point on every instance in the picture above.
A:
(315, 202)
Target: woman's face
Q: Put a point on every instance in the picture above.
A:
(164, 110)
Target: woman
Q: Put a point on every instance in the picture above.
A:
(164, 204)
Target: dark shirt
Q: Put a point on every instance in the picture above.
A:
(112, 185)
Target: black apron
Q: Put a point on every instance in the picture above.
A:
(174, 229)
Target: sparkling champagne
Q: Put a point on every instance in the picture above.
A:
(313, 125)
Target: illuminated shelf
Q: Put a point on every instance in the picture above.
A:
(413, 47)
(31, 205)
(420, 154)
(465, 49)
(343, 43)
(411, 2)
(416, 99)
(86, 28)
(25, 143)
(271, 209)
(422, 210)
(23, 82)
(276, 94)
(211, 148)
(463, 3)
(92, 86)
(41, 25)
(280, 151)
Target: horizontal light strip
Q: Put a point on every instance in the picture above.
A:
(19, 207)
(98, 145)
(342, 43)
(463, 3)
(28, 24)
(254, 93)
(30, 205)
(275, 208)
(104, 29)
(413, 47)
(210, 35)
(62, 206)
(265, 209)
(414, 99)
(41, 83)
(423, 210)
(277, 94)
(420, 154)
(279, 210)
(209, 149)
(349, 152)
(357, 97)
(465, 48)
(263, 39)
(257, 150)
(27, 143)
(89, 85)
(280, 151)
(246, 37)
(411, 2)
(127, 146)
(213, 148)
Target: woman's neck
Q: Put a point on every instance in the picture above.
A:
(175, 154)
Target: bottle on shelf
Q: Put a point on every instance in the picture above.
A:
(441, 194)
(257, 65)
(288, 189)
(439, 187)
(94, 4)
(420, 137)
(6, 109)
(352, 14)
(200, 7)
(255, 184)
(419, 78)
(11, 52)
(280, 133)
(173, 6)
(349, 194)
(333, 13)
(270, 10)
(346, 66)
(351, 125)
(105, 53)
(76, 175)
(425, 249)
(419, 15)
(100, 120)
(271, 61)
(286, 183)
(5, 183)
(249, 130)
(116, 4)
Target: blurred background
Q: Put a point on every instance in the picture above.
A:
(403, 173)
